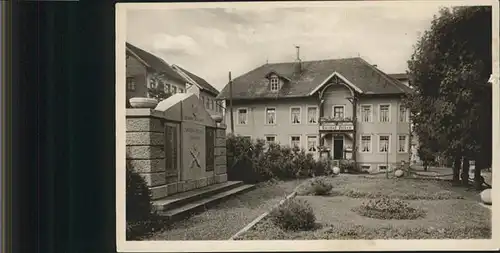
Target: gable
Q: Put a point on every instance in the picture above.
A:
(185, 107)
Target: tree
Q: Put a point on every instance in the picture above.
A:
(451, 109)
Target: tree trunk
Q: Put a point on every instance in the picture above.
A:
(478, 179)
(456, 169)
(465, 171)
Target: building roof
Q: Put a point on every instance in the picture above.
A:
(155, 62)
(399, 76)
(202, 83)
(363, 75)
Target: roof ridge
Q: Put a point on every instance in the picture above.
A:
(314, 61)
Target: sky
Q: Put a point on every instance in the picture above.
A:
(210, 42)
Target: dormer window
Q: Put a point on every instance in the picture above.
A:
(274, 82)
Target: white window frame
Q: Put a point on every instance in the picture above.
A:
(387, 167)
(166, 87)
(388, 113)
(238, 116)
(174, 89)
(406, 114)
(343, 111)
(388, 144)
(317, 114)
(131, 83)
(271, 83)
(300, 115)
(406, 144)
(361, 143)
(307, 143)
(271, 135)
(275, 116)
(365, 165)
(300, 140)
(370, 116)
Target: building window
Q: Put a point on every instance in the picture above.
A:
(312, 115)
(366, 167)
(203, 100)
(338, 112)
(181, 90)
(242, 116)
(212, 104)
(382, 167)
(312, 143)
(270, 139)
(153, 83)
(402, 144)
(274, 82)
(384, 113)
(166, 88)
(130, 84)
(295, 141)
(402, 113)
(366, 113)
(270, 116)
(383, 143)
(366, 143)
(174, 89)
(207, 103)
(295, 115)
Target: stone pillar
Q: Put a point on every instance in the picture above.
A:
(145, 149)
(220, 154)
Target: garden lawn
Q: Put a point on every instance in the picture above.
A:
(449, 214)
(230, 216)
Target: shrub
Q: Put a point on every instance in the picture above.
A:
(293, 214)
(316, 186)
(389, 209)
(250, 161)
(139, 216)
(349, 166)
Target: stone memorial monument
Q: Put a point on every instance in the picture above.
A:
(177, 147)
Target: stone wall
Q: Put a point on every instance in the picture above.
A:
(145, 147)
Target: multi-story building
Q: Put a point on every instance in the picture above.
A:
(145, 70)
(347, 107)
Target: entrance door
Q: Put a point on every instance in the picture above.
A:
(338, 147)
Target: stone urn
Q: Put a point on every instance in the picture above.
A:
(486, 196)
(140, 102)
(336, 170)
(399, 173)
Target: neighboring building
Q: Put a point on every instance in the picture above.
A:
(402, 77)
(145, 70)
(340, 104)
(205, 91)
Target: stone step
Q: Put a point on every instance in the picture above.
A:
(202, 204)
(174, 201)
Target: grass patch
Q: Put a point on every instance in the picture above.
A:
(267, 231)
(355, 186)
(389, 209)
(228, 217)
(451, 217)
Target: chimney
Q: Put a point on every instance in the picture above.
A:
(298, 62)
(375, 65)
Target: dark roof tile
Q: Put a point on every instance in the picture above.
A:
(356, 70)
(155, 62)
